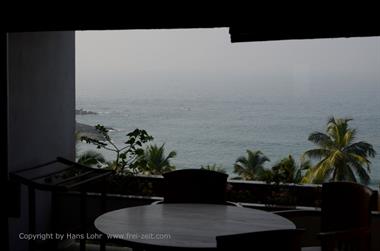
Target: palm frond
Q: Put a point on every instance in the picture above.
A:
(341, 158)
(337, 129)
(332, 129)
(320, 139)
(349, 137)
(305, 164)
(238, 169)
(256, 158)
(155, 161)
(251, 166)
(361, 172)
(356, 164)
(214, 167)
(171, 155)
(309, 176)
(316, 154)
(349, 175)
(91, 158)
(361, 148)
(319, 173)
(323, 171)
(360, 160)
(242, 160)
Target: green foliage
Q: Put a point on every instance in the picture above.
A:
(214, 167)
(127, 156)
(154, 161)
(285, 171)
(252, 166)
(340, 158)
(92, 159)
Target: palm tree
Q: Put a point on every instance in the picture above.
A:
(287, 171)
(154, 161)
(303, 167)
(340, 158)
(91, 158)
(252, 166)
(214, 167)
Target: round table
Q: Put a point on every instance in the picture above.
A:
(184, 225)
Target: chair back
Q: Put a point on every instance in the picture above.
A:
(345, 205)
(356, 239)
(275, 240)
(195, 186)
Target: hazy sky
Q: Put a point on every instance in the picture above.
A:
(200, 62)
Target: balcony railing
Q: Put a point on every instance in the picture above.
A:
(246, 192)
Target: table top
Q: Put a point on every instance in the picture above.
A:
(184, 225)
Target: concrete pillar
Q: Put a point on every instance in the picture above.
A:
(41, 112)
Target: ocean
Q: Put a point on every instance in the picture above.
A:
(207, 129)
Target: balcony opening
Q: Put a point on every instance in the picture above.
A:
(210, 100)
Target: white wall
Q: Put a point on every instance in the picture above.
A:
(41, 111)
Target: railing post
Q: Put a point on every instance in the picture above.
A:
(32, 216)
(103, 206)
(83, 219)
(4, 132)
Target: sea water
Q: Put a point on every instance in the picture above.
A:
(209, 129)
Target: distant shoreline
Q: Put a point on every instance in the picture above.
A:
(84, 112)
(87, 131)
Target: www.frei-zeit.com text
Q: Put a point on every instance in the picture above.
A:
(93, 236)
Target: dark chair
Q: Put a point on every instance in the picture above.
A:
(195, 186)
(276, 240)
(345, 205)
(355, 239)
(345, 217)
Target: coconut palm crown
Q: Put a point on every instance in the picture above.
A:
(252, 166)
(155, 162)
(340, 158)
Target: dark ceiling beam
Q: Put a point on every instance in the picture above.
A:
(249, 34)
(108, 25)
(310, 24)
(247, 24)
